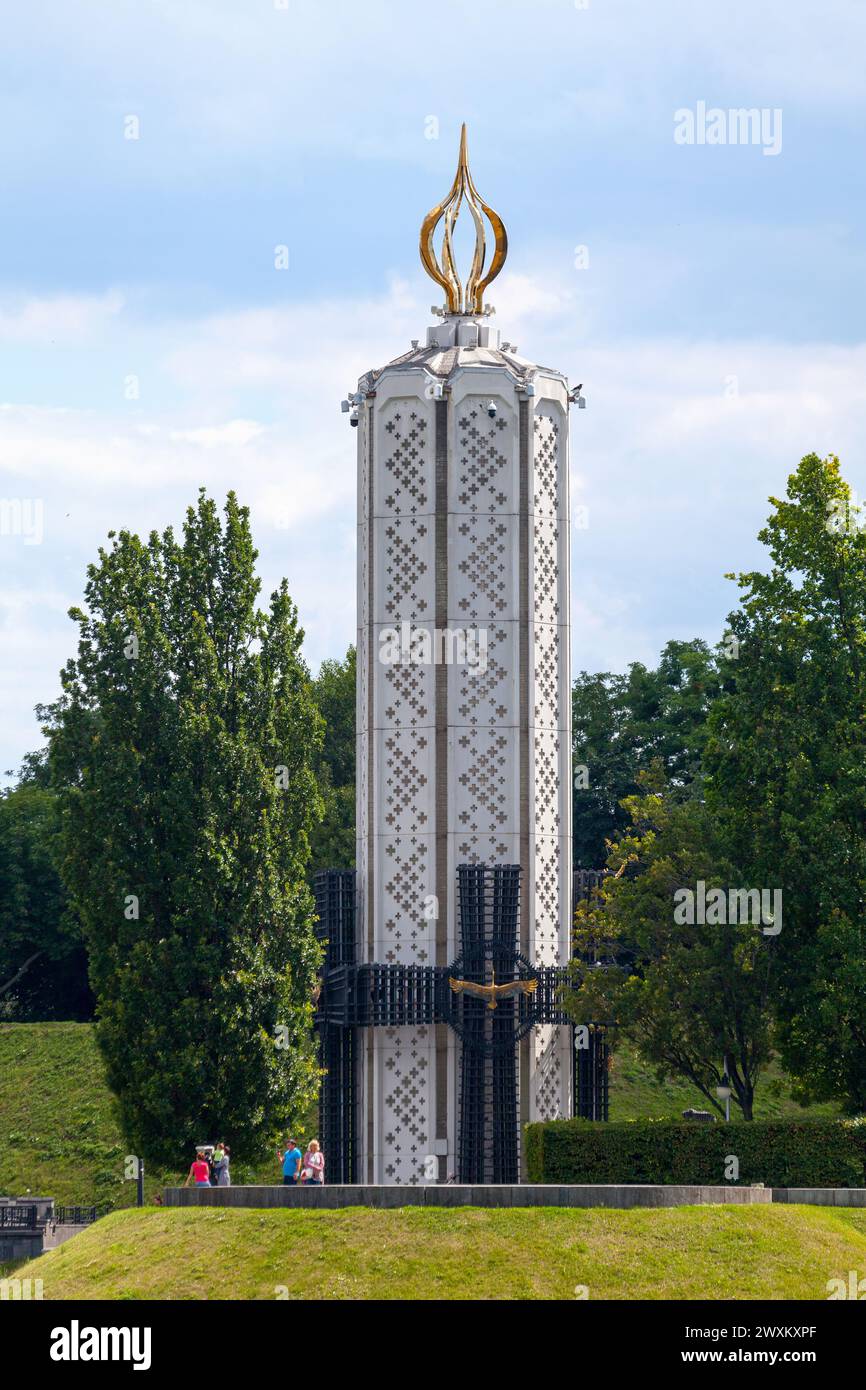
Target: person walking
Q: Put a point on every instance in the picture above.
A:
(314, 1163)
(224, 1178)
(199, 1171)
(291, 1160)
(217, 1162)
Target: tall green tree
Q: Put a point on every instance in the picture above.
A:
(786, 765)
(184, 748)
(43, 966)
(621, 724)
(693, 996)
(334, 838)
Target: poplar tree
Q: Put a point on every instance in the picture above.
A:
(184, 747)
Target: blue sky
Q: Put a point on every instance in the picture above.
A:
(718, 327)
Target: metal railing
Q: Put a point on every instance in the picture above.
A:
(18, 1217)
(75, 1216)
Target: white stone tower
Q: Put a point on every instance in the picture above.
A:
(463, 720)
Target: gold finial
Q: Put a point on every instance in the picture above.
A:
(458, 301)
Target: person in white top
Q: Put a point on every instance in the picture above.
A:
(313, 1167)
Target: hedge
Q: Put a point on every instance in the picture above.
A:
(808, 1153)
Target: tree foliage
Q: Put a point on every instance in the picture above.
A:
(787, 769)
(693, 997)
(43, 968)
(184, 748)
(334, 838)
(622, 723)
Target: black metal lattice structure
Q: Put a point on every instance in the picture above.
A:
(591, 1072)
(386, 996)
(334, 891)
(338, 1111)
(591, 1053)
(584, 882)
(488, 1138)
(355, 995)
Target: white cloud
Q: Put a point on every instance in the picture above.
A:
(234, 432)
(64, 318)
(218, 80)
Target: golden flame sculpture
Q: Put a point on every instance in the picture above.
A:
(458, 300)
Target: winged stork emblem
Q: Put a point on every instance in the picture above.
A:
(493, 992)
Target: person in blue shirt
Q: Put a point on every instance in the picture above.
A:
(291, 1158)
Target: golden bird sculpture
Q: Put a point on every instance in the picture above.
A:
(493, 992)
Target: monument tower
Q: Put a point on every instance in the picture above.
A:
(462, 892)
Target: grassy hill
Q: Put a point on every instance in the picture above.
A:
(636, 1094)
(467, 1253)
(59, 1136)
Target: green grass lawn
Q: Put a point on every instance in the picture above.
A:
(59, 1136)
(636, 1094)
(781, 1252)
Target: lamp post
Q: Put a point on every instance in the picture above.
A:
(724, 1092)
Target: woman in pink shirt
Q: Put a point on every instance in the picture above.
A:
(199, 1171)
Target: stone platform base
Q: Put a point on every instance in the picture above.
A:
(443, 1195)
(822, 1196)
